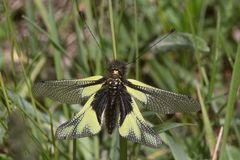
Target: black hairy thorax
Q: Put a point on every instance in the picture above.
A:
(112, 98)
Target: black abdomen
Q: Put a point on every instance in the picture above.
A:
(111, 114)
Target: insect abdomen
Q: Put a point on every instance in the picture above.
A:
(111, 114)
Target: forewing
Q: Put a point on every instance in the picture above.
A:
(134, 128)
(84, 124)
(69, 91)
(159, 100)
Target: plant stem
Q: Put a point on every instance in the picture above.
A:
(136, 39)
(123, 148)
(112, 30)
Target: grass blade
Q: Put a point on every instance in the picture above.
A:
(235, 82)
(177, 151)
(5, 94)
(210, 138)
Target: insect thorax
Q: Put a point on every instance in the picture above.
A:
(114, 83)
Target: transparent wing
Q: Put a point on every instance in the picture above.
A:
(84, 124)
(69, 91)
(134, 128)
(159, 100)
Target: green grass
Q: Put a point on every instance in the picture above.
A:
(42, 40)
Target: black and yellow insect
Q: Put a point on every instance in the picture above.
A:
(111, 100)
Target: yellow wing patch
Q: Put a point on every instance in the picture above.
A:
(137, 94)
(139, 83)
(134, 128)
(88, 91)
(128, 125)
(84, 124)
(92, 78)
(142, 97)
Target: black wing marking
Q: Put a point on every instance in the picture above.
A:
(160, 100)
(69, 91)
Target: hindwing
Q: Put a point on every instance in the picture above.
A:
(84, 124)
(133, 127)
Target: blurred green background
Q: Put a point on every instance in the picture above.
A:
(43, 40)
